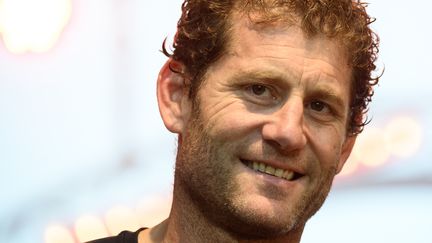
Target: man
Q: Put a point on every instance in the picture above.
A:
(267, 97)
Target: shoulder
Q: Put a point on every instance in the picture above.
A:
(123, 237)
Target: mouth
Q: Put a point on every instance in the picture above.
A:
(260, 167)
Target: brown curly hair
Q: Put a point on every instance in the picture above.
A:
(202, 34)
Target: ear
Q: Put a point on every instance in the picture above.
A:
(346, 151)
(172, 95)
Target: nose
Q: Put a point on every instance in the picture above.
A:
(285, 127)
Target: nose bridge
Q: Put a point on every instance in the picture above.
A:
(285, 126)
(291, 113)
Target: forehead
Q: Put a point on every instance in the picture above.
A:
(281, 45)
(248, 34)
(283, 52)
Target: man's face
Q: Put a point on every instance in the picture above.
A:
(268, 132)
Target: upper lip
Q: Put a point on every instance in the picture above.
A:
(278, 164)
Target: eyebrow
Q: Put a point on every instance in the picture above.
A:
(328, 94)
(263, 75)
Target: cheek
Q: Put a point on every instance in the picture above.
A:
(326, 143)
(232, 123)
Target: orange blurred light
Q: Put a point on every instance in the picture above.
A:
(153, 211)
(121, 218)
(58, 234)
(33, 26)
(371, 148)
(89, 228)
(404, 136)
(351, 166)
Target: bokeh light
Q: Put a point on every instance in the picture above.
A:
(371, 148)
(351, 166)
(58, 234)
(121, 218)
(89, 227)
(400, 138)
(153, 211)
(33, 26)
(404, 136)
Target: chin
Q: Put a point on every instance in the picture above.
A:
(262, 225)
(258, 217)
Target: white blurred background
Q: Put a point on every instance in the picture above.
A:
(84, 154)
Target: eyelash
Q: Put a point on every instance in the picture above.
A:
(327, 112)
(315, 102)
(261, 98)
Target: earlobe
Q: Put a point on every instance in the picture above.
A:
(346, 151)
(172, 95)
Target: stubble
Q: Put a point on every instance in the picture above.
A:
(203, 171)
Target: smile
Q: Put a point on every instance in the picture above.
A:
(288, 175)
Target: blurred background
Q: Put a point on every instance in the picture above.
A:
(84, 154)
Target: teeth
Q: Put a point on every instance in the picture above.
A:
(270, 170)
(279, 173)
(261, 167)
(255, 166)
(286, 174)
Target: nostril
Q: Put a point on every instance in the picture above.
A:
(285, 137)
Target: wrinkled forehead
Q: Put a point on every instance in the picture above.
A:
(269, 15)
(246, 25)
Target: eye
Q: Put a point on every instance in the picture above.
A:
(321, 110)
(258, 89)
(318, 106)
(260, 94)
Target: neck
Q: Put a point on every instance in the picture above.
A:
(186, 223)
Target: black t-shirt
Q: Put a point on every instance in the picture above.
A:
(123, 237)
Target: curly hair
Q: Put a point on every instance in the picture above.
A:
(203, 28)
